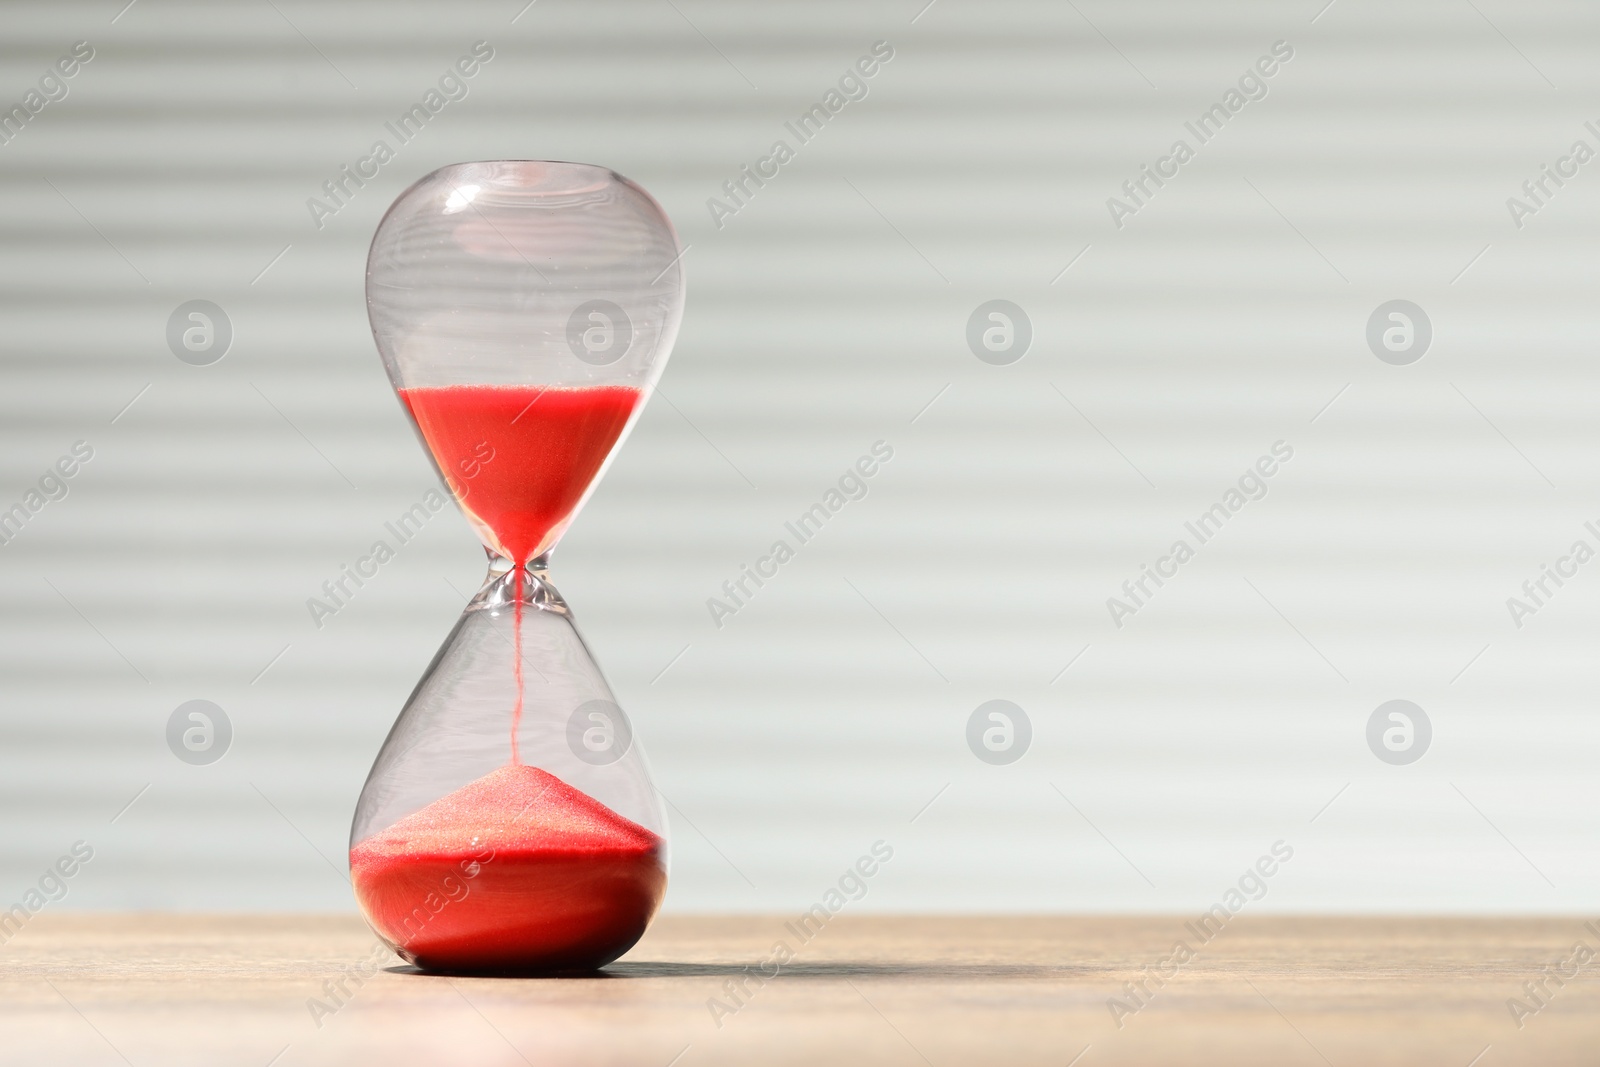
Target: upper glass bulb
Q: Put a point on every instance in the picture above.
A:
(497, 287)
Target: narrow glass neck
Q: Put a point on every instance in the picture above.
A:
(506, 584)
(498, 564)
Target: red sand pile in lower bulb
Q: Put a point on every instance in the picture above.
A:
(515, 872)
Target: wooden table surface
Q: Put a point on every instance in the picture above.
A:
(213, 990)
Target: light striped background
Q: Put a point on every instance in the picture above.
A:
(829, 314)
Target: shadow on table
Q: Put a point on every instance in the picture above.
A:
(797, 969)
(835, 969)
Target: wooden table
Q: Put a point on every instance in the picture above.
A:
(213, 990)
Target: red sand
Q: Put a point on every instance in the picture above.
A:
(546, 443)
(517, 871)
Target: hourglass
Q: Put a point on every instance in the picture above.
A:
(524, 311)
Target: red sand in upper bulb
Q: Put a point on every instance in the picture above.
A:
(517, 871)
(520, 457)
